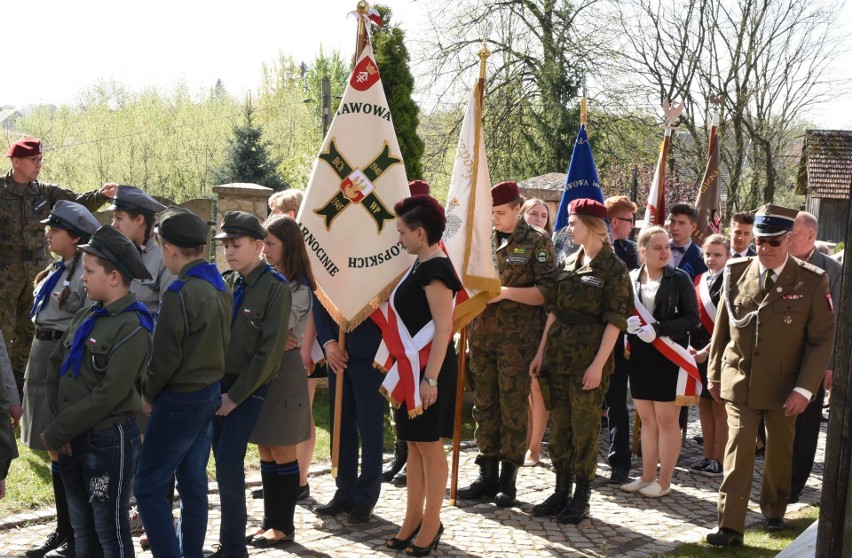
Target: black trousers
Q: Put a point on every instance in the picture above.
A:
(805, 443)
(616, 404)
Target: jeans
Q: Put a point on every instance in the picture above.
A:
(230, 440)
(177, 443)
(97, 484)
(361, 428)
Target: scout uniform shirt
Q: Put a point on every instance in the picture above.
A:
(193, 330)
(585, 299)
(104, 394)
(150, 291)
(525, 259)
(50, 315)
(258, 330)
(764, 346)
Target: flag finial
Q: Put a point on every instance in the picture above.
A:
(483, 53)
(583, 110)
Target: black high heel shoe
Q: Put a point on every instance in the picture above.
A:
(398, 544)
(414, 550)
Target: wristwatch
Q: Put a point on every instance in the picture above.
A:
(430, 381)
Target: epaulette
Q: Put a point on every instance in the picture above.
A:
(811, 267)
(736, 261)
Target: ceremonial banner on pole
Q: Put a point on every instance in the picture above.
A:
(347, 217)
(582, 180)
(709, 201)
(467, 238)
(655, 210)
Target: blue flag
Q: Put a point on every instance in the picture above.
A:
(582, 181)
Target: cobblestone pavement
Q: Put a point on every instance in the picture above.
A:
(621, 524)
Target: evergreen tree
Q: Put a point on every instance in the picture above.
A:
(392, 58)
(248, 159)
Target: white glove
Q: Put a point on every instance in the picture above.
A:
(646, 333)
(634, 324)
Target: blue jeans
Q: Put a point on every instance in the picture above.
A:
(361, 428)
(97, 484)
(230, 440)
(177, 443)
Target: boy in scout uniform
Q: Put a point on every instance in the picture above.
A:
(92, 396)
(503, 342)
(259, 320)
(181, 388)
(771, 344)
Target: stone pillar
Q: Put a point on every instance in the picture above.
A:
(250, 198)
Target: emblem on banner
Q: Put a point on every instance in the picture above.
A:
(365, 75)
(357, 186)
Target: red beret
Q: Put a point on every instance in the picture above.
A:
(505, 192)
(419, 187)
(25, 148)
(589, 207)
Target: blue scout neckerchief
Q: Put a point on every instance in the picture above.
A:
(205, 271)
(78, 345)
(47, 287)
(240, 288)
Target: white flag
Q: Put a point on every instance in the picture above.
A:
(467, 238)
(347, 216)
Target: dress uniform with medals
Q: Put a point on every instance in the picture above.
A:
(772, 338)
(503, 342)
(23, 207)
(93, 401)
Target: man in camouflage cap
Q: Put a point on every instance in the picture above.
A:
(24, 203)
(503, 342)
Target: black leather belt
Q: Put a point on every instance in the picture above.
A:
(48, 334)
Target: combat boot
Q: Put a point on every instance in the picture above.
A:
(485, 485)
(400, 456)
(578, 508)
(557, 501)
(507, 490)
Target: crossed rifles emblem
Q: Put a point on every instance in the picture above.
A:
(356, 186)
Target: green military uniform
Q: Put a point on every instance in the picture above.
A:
(104, 393)
(585, 299)
(23, 254)
(504, 340)
(763, 347)
(190, 338)
(258, 331)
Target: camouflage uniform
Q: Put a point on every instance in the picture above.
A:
(23, 254)
(504, 340)
(585, 299)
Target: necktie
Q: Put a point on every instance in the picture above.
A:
(47, 287)
(78, 344)
(769, 281)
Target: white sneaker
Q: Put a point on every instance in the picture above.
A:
(636, 485)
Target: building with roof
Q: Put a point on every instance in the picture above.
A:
(825, 179)
(9, 118)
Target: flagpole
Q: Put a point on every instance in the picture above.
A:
(483, 53)
(360, 43)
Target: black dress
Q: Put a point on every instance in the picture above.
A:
(412, 307)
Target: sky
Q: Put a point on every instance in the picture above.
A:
(65, 47)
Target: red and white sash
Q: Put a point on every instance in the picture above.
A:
(688, 379)
(402, 355)
(706, 308)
